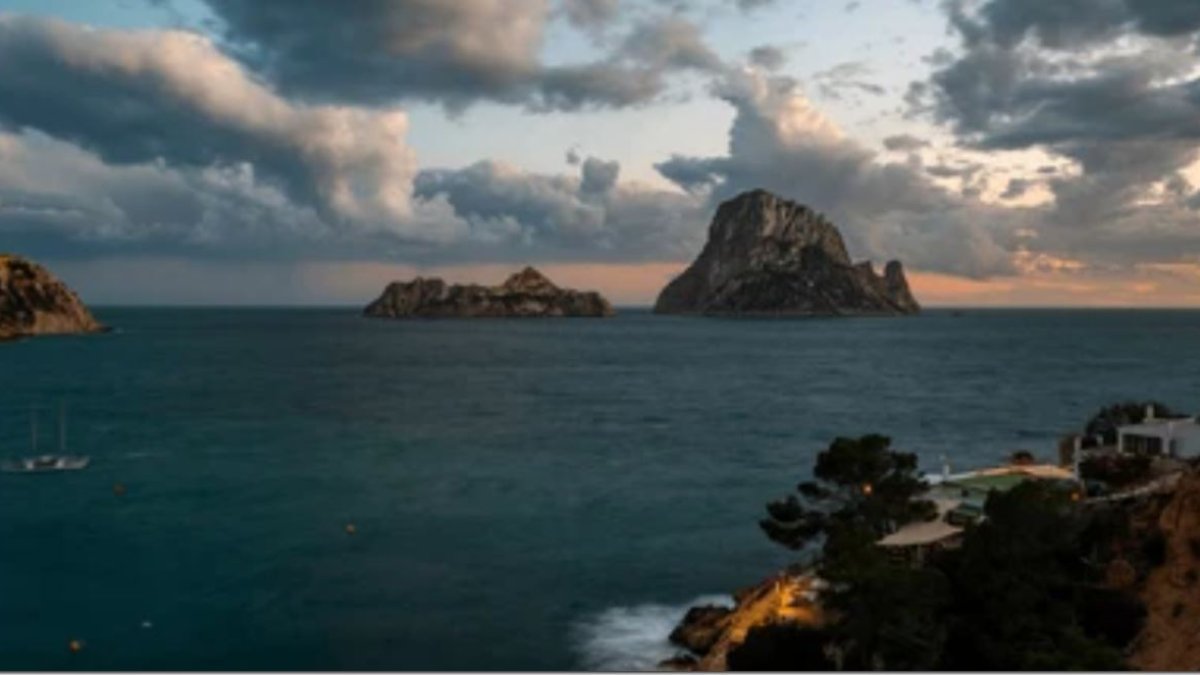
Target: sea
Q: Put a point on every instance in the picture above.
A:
(307, 489)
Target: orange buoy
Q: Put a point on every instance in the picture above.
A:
(119, 489)
(75, 646)
(351, 528)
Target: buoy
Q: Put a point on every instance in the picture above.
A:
(118, 489)
(147, 624)
(75, 646)
(351, 528)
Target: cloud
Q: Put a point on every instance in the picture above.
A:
(384, 50)
(455, 53)
(156, 143)
(516, 215)
(1108, 86)
(591, 15)
(752, 5)
(834, 82)
(1017, 187)
(780, 142)
(58, 200)
(904, 143)
(599, 178)
(670, 42)
(767, 56)
(145, 96)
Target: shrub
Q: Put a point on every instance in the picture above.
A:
(781, 646)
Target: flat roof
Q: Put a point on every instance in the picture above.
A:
(1158, 426)
(1002, 482)
(917, 534)
(926, 532)
(1008, 477)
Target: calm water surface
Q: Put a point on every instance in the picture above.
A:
(527, 494)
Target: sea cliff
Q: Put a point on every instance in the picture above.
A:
(34, 302)
(766, 255)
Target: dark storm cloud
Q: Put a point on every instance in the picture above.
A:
(455, 53)
(1108, 85)
(1067, 24)
(171, 97)
(155, 142)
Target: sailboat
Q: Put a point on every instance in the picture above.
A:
(44, 463)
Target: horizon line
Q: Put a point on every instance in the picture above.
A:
(646, 307)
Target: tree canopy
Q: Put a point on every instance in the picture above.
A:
(1021, 593)
(1106, 420)
(860, 484)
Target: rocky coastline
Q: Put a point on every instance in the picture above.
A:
(526, 294)
(708, 633)
(1105, 573)
(34, 302)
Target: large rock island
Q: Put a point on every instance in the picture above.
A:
(766, 255)
(34, 302)
(527, 293)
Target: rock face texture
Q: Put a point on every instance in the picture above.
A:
(709, 633)
(34, 302)
(527, 293)
(766, 255)
(1170, 640)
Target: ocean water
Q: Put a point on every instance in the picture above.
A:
(526, 494)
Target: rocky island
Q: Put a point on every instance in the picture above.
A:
(766, 255)
(527, 293)
(34, 302)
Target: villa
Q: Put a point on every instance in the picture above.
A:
(1171, 437)
(960, 500)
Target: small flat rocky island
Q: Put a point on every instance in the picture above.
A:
(34, 302)
(768, 256)
(526, 294)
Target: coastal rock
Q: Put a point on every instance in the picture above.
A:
(1170, 640)
(34, 302)
(767, 255)
(527, 293)
(710, 633)
(701, 628)
(680, 662)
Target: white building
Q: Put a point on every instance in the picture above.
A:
(1179, 437)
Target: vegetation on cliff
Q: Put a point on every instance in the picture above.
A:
(862, 489)
(1027, 590)
(1103, 425)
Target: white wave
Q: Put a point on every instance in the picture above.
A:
(633, 638)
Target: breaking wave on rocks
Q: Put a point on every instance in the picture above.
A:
(633, 638)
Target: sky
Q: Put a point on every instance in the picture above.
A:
(1009, 152)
